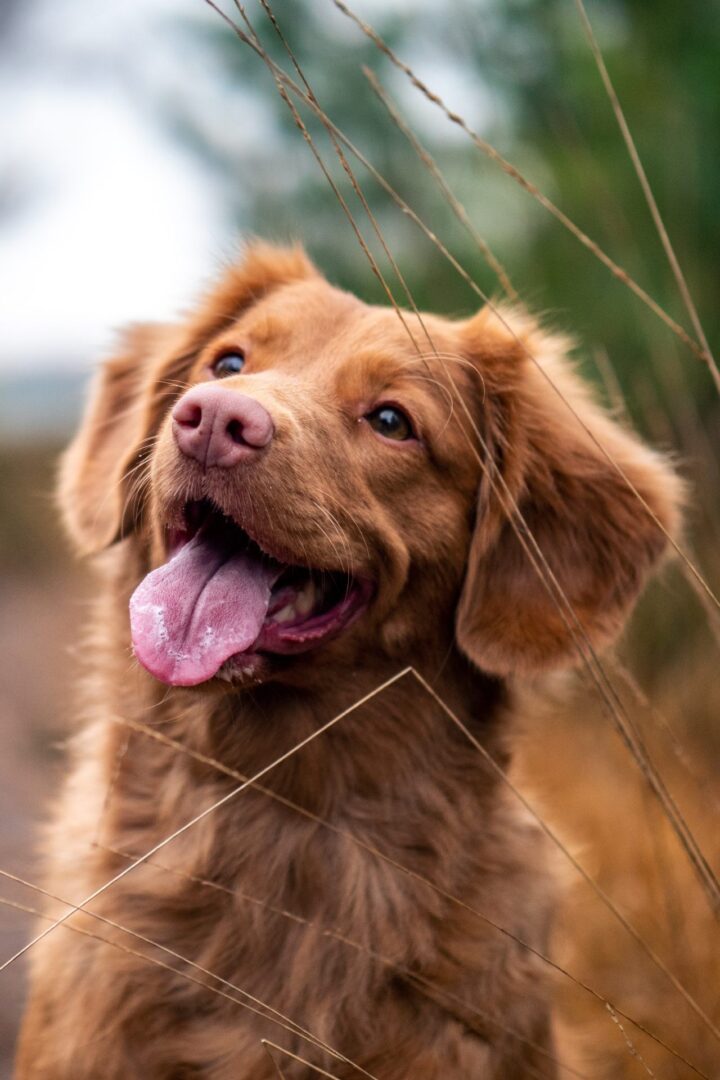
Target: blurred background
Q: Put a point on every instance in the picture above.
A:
(140, 138)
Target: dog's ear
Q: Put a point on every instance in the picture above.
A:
(92, 490)
(102, 467)
(564, 474)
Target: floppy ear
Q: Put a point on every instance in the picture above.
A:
(101, 468)
(92, 492)
(597, 538)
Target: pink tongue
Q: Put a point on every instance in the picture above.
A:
(203, 606)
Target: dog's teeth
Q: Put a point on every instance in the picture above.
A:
(286, 614)
(304, 600)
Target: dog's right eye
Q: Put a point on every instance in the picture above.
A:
(391, 423)
(228, 363)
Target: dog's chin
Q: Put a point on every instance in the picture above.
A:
(223, 606)
(245, 670)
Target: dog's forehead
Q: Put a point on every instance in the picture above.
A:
(298, 319)
(312, 327)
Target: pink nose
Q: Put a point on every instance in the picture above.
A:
(219, 426)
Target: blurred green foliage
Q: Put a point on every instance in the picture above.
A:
(521, 73)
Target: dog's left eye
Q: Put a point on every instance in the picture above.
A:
(229, 363)
(391, 422)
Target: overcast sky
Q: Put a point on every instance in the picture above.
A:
(103, 217)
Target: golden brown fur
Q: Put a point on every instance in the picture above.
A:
(456, 597)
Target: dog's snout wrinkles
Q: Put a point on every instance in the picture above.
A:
(219, 426)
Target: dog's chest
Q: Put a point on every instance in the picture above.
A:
(312, 910)
(325, 910)
(348, 891)
(332, 914)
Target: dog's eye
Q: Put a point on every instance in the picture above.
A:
(391, 422)
(229, 363)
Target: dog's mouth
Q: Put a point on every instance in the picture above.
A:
(220, 600)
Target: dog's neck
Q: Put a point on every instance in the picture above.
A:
(380, 726)
(364, 730)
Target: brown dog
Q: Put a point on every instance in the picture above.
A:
(298, 496)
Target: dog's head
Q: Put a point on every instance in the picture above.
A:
(300, 471)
